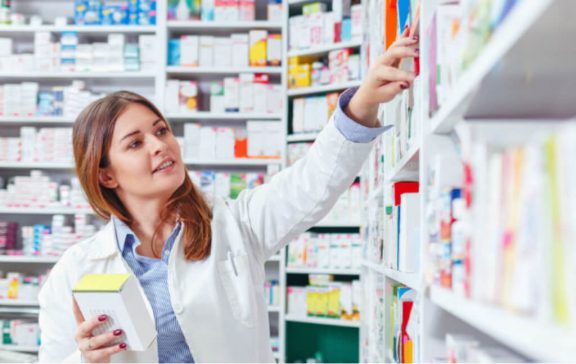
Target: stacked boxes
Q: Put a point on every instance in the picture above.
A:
(310, 114)
(8, 235)
(226, 185)
(340, 66)
(325, 251)
(127, 12)
(213, 10)
(256, 49)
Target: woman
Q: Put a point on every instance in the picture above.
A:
(201, 267)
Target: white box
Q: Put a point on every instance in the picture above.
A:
(189, 50)
(171, 96)
(265, 139)
(298, 115)
(207, 149)
(206, 45)
(192, 135)
(274, 99)
(120, 298)
(240, 50)
(231, 94)
(328, 28)
(274, 50)
(222, 52)
(225, 143)
(246, 93)
(409, 249)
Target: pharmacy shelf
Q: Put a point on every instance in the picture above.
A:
(138, 29)
(201, 71)
(273, 308)
(23, 75)
(320, 89)
(233, 162)
(26, 349)
(540, 341)
(228, 26)
(318, 50)
(19, 120)
(307, 137)
(518, 58)
(207, 115)
(27, 259)
(350, 272)
(377, 193)
(43, 211)
(302, 2)
(323, 321)
(337, 224)
(35, 165)
(411, 280)
(9, 302)
(30, 311)
(407, 168)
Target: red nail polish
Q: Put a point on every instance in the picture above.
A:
(117, 332)
(102, 317)
(123, 345)
(403, 86)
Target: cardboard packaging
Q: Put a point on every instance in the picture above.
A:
(119, 297)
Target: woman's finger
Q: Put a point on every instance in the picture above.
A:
(396, 54)
(103, 355)
(77, 313)
(391, 74)
(104, 340)
(85, 329)
(390, 90)
(404, 41)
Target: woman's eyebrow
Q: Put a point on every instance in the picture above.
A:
(138, 131)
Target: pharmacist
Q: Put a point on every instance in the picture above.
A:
(199, 263)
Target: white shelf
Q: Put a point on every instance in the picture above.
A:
(73, 75)
(233, 162)
(324, 49)
(274, 258)
(139, 29)
(302, 2)
(26, 349)
(27, 259)
(411, 280)
(407, 168)
(273, 308)
(36, 165)
(307, 137)
(44, 211)
(337, 224)
(276, 355)
(542, 342)
(16, 120)
(206, 115)
(517, 58)
(323, 321)
(200, 71)
(352, 272)
(9, 302)
(319, 89)
(228, 26)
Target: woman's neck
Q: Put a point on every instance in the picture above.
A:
(145, 222)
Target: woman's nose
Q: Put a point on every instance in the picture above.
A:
(158, 145)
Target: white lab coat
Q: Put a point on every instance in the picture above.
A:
(222, 313)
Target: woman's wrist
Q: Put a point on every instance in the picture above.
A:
(362, 112)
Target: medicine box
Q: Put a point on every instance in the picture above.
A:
(119, 297)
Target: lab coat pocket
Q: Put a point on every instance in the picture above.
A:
(237, 281)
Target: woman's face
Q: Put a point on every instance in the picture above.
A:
(144, 157)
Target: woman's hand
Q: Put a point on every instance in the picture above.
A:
(383, 81)
(95, 349)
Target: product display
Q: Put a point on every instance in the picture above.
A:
(338, 67)
(325, 297)
(29, 99)
(20, 287)
(310, 114)
(325, 251)
(20, 333)
(224, 184)
(69, 55)
(272, 294)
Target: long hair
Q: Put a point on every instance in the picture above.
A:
(92, 136)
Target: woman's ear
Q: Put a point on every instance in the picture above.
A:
(107, 179)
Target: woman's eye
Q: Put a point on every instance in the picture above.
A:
(135, 144)
(162, 131)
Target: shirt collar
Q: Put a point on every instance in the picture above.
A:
(122, 231)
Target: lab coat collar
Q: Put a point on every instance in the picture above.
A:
(104, 244)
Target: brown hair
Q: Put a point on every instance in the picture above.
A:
(92, 136)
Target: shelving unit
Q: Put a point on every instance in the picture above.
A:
(318, 50)
(508, 83)
(323, 89)
(351, 272)
(152, 85)
(323, 321)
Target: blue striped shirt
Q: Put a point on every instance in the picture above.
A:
(153, 276)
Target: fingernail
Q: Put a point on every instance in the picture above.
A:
(123, 345)
(102, 317)
(117, 332)
(416, 37)
(417, 50)
(403, 86)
